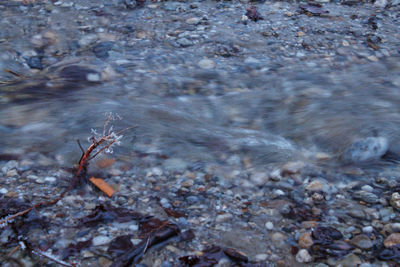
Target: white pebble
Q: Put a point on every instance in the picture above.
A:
(93, 77)
(303, 256)
(367, 188)
(206, 63)
(269, 225)
(100, 240)
(50, 179)
(368, 229)
(3, 191)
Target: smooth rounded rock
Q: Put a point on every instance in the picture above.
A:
(303, 256)
(362, 242)
(392, 240)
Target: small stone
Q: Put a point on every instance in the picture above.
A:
(317, 197)
(279, 239)
(193, 21)
(362, 242)
(223, 217)
(3, 191)
(50, 179)
(366, 196)
(315, 186)
(305, 240)
(11, 194)
(365, 149)
(12, 173)
(187, 183)
(93, 77)
(101, 240)
(87, 254)
(133, 227)
(348, 260)
(34, 63)
(395, 200)
(368, 229)
(206, 63)
(184, 42)
(356, 213)
(269, 225)
(367, 188)
(261, 257)
(303, 256)
(392, 240)
(104, 262)
(259, 178)
(395, 227)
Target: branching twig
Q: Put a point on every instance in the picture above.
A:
(99, 144)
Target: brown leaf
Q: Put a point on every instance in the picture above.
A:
(103, 186)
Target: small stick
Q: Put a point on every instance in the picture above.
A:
(14, 73)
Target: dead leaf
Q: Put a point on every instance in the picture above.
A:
(103, 186)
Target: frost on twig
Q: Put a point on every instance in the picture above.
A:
(103, 142)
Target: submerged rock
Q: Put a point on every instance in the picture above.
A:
(366, 149)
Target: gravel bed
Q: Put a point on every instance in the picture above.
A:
(267, 132)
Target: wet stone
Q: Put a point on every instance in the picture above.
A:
(206, 64)
(303, 256)
(34, 62)
(101, 240)
(392, 240)
(362, 242)
(367, 197)
(305, 240)
(395, 200)
(366, 149)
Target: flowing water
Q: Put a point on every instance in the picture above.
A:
(257, 97)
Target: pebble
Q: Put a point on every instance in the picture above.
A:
(305, 240)
(368, 229)
(395, 227)
(395, 200)
(315, 186)
(279, 239)
(303, 256)
(392, 239)
(3, 191)
(269, 225)
(366, 149)
(12, 173)
(184, 42)
(50, 179)
(348, 260)
(362, 241)
(193, 21)
(259, 178)
(261, 257)
(223, 217)
(206, 63)
(187, 183)
(101, 240)
(367, 188)
(366, 196)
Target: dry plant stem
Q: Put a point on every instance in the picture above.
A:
(83, 163)
(14, 73)
(51, 258)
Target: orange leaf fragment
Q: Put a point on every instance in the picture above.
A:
(102, 185)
